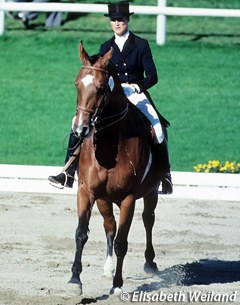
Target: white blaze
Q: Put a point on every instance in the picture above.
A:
(87, 80)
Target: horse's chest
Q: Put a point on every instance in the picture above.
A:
(111, 171)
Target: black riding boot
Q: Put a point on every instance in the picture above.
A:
(66, 178)
(164, 164)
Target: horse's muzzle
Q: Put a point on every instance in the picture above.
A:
(81, 132)
(80, 128)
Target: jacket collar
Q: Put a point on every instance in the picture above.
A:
(129, 44)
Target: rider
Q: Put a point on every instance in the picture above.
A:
(133, 62)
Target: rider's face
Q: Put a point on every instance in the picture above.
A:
(119, 25)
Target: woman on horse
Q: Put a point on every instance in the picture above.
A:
(133, 62)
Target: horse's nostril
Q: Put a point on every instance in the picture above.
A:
(84, 132)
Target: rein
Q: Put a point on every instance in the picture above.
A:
(119, 116)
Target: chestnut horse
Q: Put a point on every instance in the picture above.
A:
(117, 164)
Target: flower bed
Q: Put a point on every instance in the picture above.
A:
(215, 166)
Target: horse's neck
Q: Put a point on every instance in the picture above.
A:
(113, 115)
(116, 104)
(117, 97)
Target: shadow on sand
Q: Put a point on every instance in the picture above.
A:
(202, 272)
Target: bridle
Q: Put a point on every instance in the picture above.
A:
(96, 118)
(89, 110)
(95, 68)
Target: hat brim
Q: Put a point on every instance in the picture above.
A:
(117, 15)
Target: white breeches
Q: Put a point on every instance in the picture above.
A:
(143, 104)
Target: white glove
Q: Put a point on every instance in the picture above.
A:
(136, 88)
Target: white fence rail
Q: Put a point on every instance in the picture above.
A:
(161, 11)
(210, 186)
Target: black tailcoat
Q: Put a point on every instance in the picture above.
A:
(135, 63)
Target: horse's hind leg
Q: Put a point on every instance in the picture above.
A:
(148, 216)
(106, 210)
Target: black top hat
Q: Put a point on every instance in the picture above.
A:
(118, 10)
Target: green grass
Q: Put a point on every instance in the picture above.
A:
(198, 89)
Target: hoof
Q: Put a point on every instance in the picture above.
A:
(116, 291)
(88, 301)
(74, 287)
(151, 268)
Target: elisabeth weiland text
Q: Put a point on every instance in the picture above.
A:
(180, 296)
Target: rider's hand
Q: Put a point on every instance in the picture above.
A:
(136, 88)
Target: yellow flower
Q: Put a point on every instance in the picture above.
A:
(216, 163)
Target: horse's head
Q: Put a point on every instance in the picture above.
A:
(92, 86)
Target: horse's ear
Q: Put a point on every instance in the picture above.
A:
(83, 54)
(107, 57)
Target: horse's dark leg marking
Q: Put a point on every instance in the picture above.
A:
(81, 237)
(148, 216)
(121, 244)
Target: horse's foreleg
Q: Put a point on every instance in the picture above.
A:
(148, 215)
(81, 237)
(121, 244)
(106, 210)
